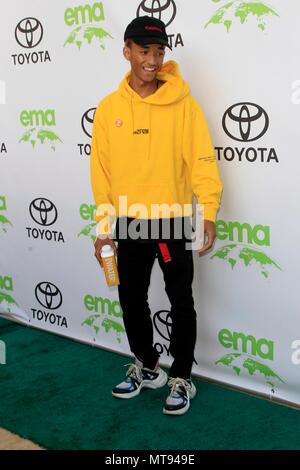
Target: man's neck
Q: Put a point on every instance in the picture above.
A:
(143, 89)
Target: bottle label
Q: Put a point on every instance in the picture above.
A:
(111, 271)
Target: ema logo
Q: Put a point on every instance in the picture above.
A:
(5, 224)
(242, 255)
(38, 134)
(246, 122)
(242, 362)
(87, 121)
(108, 316)
(243, 12)
(87, 212)
(87, 17)
(50, 297)
(28, 34)
(164, 10)
(43, 212)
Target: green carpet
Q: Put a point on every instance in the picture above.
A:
(57, 393)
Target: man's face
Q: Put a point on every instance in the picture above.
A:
(145, 61)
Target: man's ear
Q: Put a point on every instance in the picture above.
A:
(126, 52)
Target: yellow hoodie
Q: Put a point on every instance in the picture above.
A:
(154, 150)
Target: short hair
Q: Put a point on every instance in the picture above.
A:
(128, 42)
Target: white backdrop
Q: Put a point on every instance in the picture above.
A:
(58, 60)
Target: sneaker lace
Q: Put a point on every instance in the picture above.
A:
(174, 383)
(134, 371)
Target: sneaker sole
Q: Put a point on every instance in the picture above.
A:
(178, 412)
(145, 384)
(126, 396)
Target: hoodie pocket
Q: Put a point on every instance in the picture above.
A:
(141, 200)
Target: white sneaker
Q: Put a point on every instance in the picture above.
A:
(181, 391)
(138, 377)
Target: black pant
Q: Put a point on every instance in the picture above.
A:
(135, 262)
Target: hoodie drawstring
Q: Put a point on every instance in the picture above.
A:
(132, 114)
(150, 130)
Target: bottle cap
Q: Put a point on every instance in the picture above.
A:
(107, 250)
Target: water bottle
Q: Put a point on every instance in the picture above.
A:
(110, 266)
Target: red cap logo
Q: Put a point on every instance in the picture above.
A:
(153, 28)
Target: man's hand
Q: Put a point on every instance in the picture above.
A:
(100, 242)
(209, 236)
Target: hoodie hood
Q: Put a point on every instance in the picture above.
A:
(173, 90)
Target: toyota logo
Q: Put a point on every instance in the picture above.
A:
(29, 32)
(48, 295)
(43, 211)
(87, 121)
(164, 10)
(245, 122)
(163, 323)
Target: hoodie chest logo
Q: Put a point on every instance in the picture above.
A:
(141, 131)
(119, 123)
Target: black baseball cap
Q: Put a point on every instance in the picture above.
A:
(147, 30)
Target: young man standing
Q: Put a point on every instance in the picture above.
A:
(151, 145)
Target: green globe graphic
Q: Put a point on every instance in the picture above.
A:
(87, 34)
(41, 136)
(6, 302)
(244, 364)
(245, 256)
(242, 11)
(97, 321)
(4, 224)
(86, 231)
